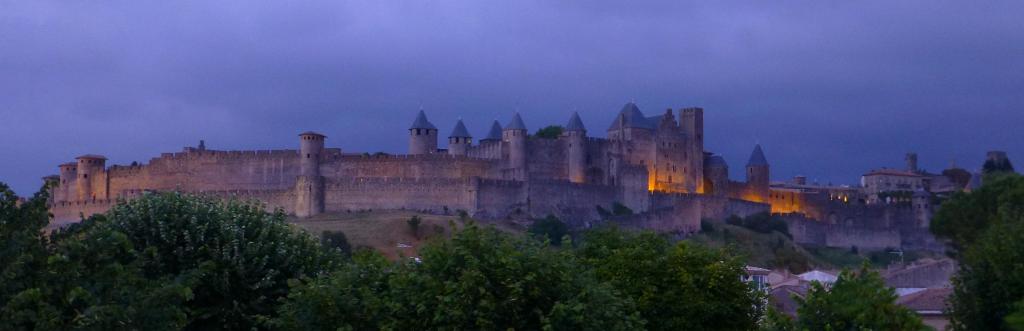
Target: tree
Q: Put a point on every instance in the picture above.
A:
(551, 228)
(480, 279)
(985, 228)
(24, 243)
(856, 301)
(354, 297)
(170, 261)
(336, 240)
(414, 225)
(675, 287)
(965, 216)
(549, 132)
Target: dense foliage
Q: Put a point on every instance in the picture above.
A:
(674, 286)
(986, 228)
(550, 228)
(167, 261)
(480, 279)
(856, 301)
(549, 132)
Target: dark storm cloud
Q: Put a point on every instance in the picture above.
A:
(829, 89)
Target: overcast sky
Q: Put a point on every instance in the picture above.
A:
(830, 89)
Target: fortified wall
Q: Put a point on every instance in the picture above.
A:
(654, 165)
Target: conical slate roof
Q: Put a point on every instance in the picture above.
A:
(632, 118)
(516, 124)
(757, 157)
(715, 161)
(495, 133)
(421, 122)
(460, 131)
(575, 123)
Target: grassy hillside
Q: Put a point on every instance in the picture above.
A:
(776, 250)
(387, 231)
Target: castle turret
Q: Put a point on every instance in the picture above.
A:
(309, 186)
(576, 138)
(459, 140)
(912, 162)
(515, 135)
(311, 146)
(88, 169)
(716, 173)
(66, 189)
(757, 175)
(693, 126)
(422, 136)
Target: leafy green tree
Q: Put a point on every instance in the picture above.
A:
(985, 228)
(485, 279)
(549, 132)
(675, 287)
(551, 228)
(856, 301)
(169, 261)
(24, 242)
(481, 279)
(354, 297)
(414, 224)
(336, 240)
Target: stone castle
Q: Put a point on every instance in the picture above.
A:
(656, 166)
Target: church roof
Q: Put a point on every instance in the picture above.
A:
(421, 122)
(460, 131)
(715, 161)
(575, 123)
(516, 123)
(757, 157)
(633, 118)
(495, 133)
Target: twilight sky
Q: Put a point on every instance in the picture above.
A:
(830, 90)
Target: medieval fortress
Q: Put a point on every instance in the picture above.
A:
(656, 166)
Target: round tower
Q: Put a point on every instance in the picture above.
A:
(459, 140)
(515, 135)
(576, 136)
(758, 175)
(65, 190)
(422, 136)
(89, 166)
(311, 146)
(922, 203)
(309, 186)
(716, 172)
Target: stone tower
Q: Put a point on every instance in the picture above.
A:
(459, 140)
(692, 122)
(514, 135)
(65, 191)
(422, 136)
(309, 186)
(912, 162)
(716, 173)
(576, 137)
(757, 175)
(88, 169)
(922, 202)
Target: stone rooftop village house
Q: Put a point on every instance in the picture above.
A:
(656, 166)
